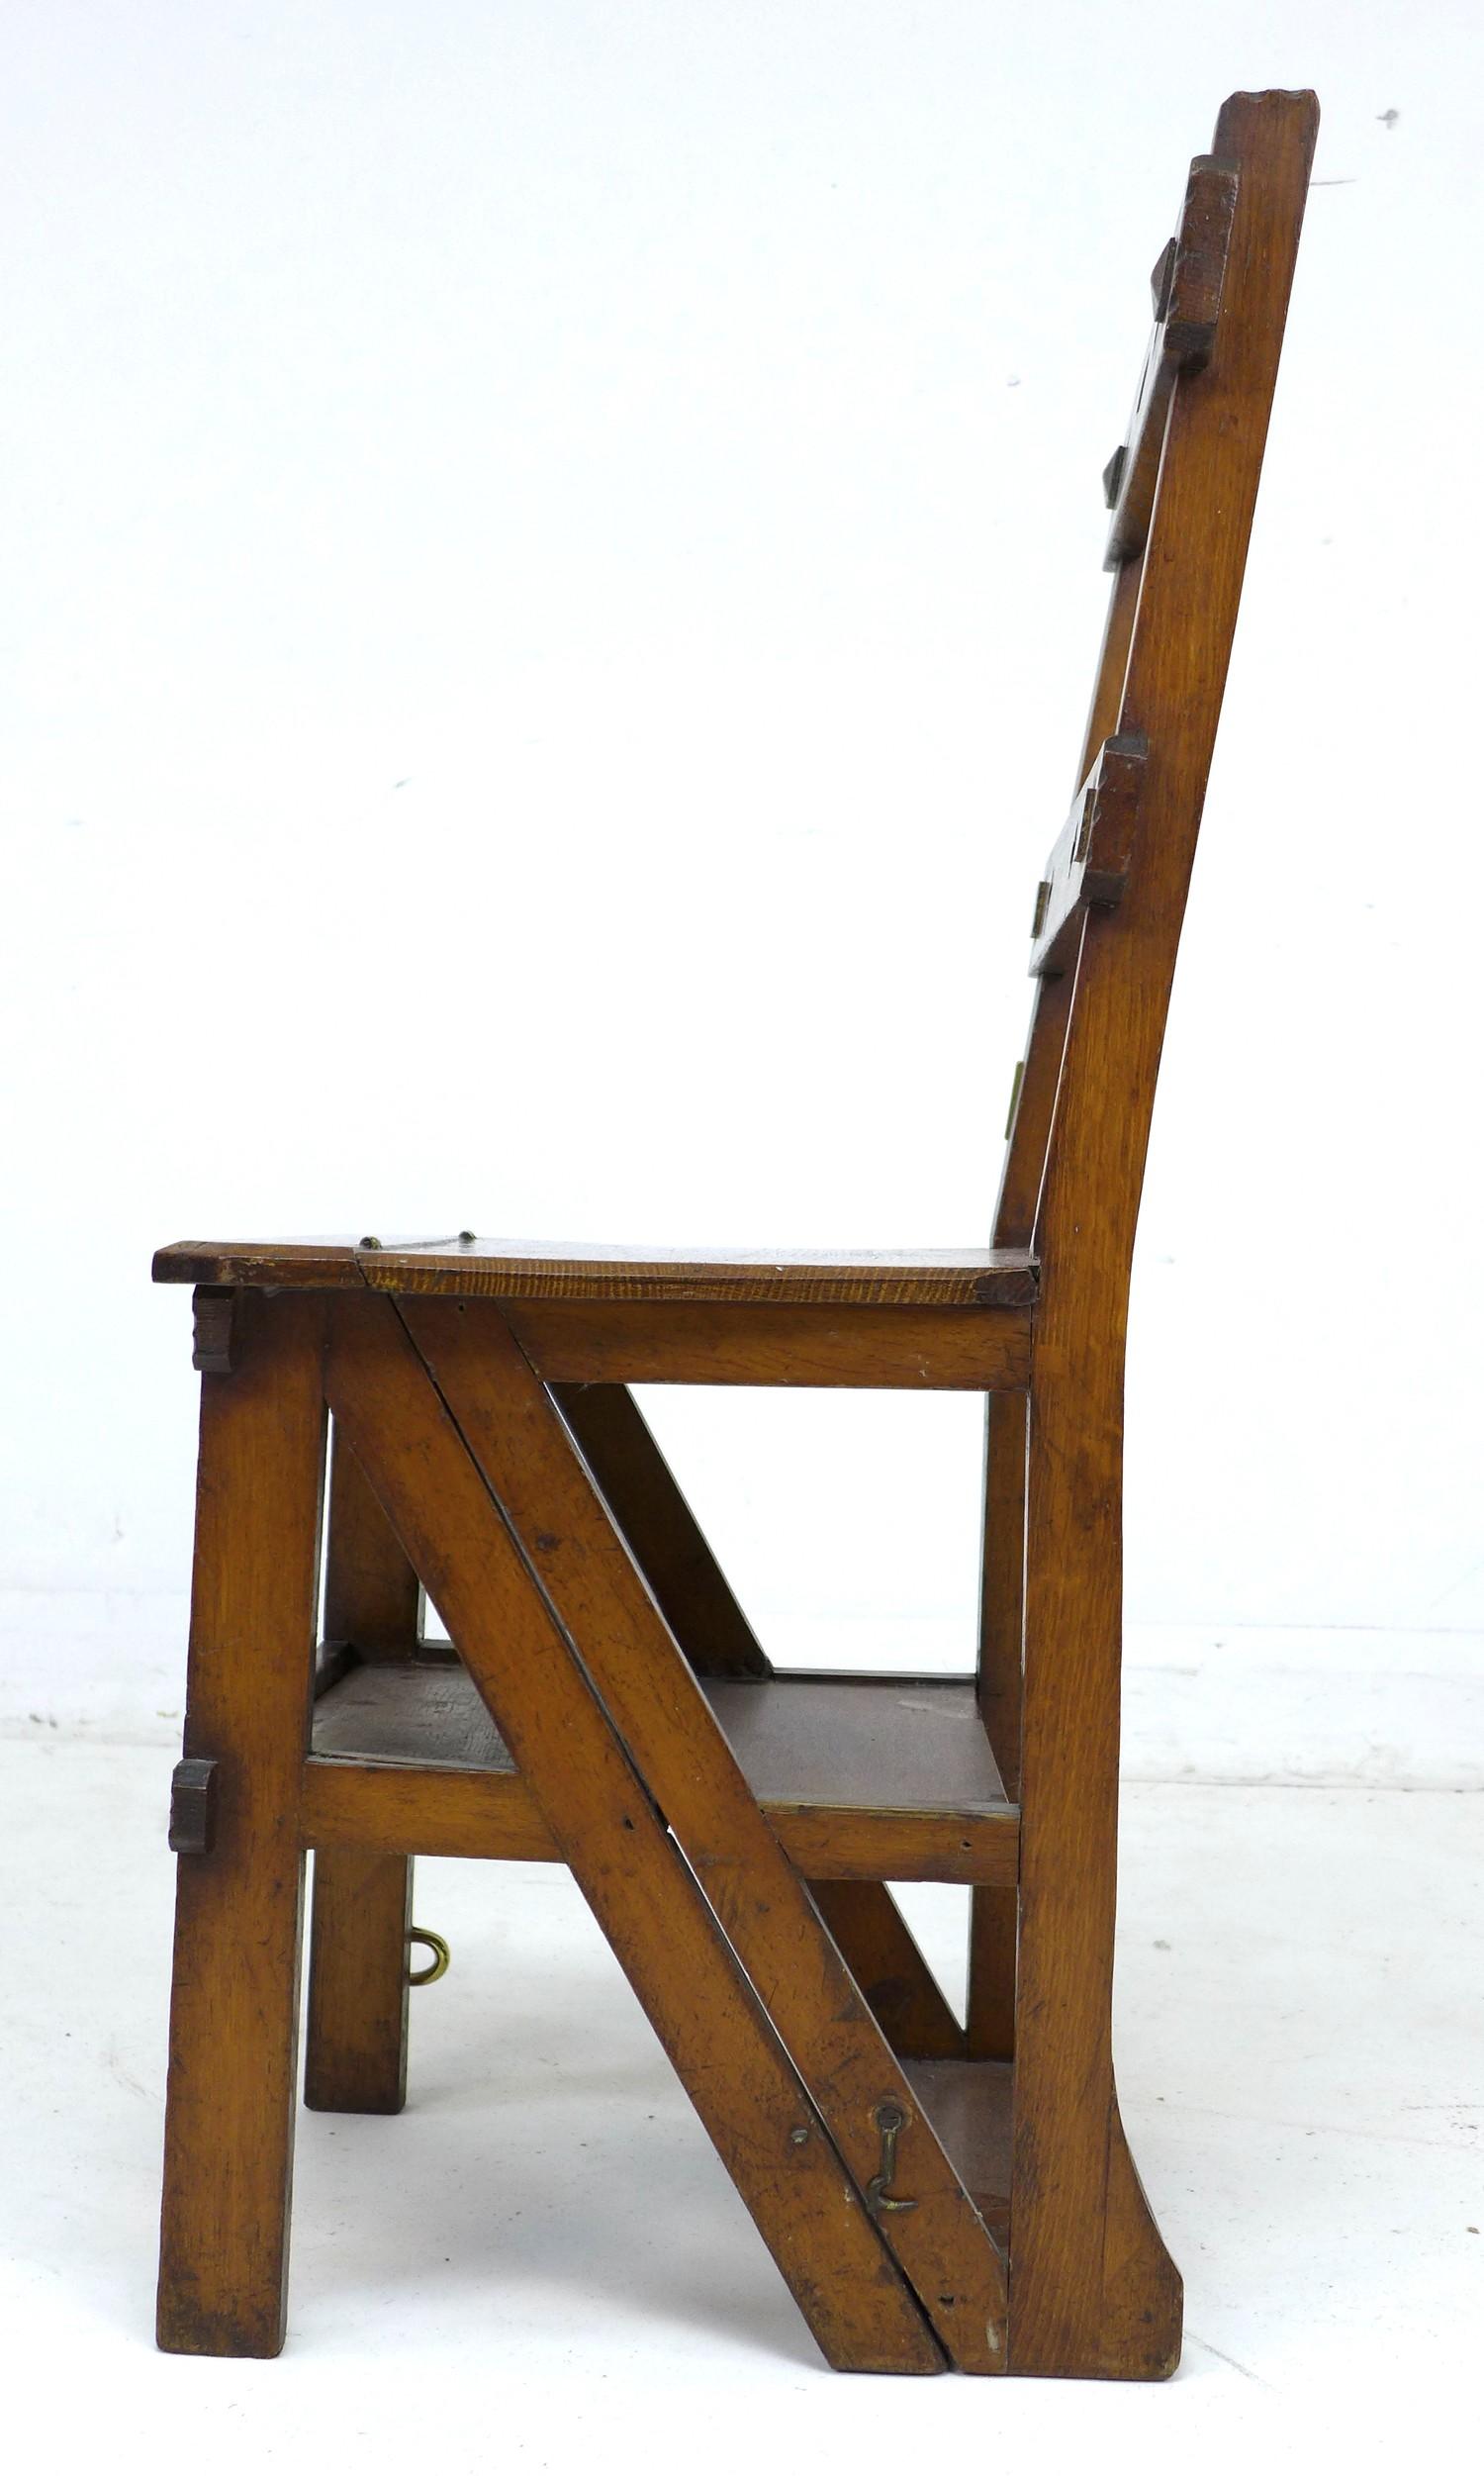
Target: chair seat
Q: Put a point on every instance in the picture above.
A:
(498, 1268)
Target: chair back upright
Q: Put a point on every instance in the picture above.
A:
(1108, 911)
(1180, 490)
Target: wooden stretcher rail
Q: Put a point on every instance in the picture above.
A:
(890, 1349)
(614, 1342)
(399, 1811)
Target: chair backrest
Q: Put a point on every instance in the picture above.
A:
(1181, 491)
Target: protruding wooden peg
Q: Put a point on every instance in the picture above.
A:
(193, 1806)
(216, 1314)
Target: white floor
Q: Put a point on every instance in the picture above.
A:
(541, 2264)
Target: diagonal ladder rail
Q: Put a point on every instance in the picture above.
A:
(710, 2021)
(680, 1567)
(579, 1561)
(662, 1533)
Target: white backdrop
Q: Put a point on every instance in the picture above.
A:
(554, 559)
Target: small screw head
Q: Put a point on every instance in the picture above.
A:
(799, 2134)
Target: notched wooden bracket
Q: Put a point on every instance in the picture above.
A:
(193, 1806)
(217, 1330)
(1198, 273)
(1186, 284)
(1161, 280)
(1092, 854)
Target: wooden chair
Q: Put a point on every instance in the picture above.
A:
(933, 2194)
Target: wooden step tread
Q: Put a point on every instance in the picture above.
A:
(894, 1743)
(876, 1779)
(968, 2107)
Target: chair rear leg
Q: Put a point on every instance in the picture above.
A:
(356, 2025)
(1094, 2291)
(355, 2031)
(994, 1911)
(993, 1917)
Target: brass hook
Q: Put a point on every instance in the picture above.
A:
(889, 2119)
(439, 1965)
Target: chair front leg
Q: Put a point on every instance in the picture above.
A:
(233, 2012)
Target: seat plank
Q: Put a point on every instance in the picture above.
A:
(497, 1267)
